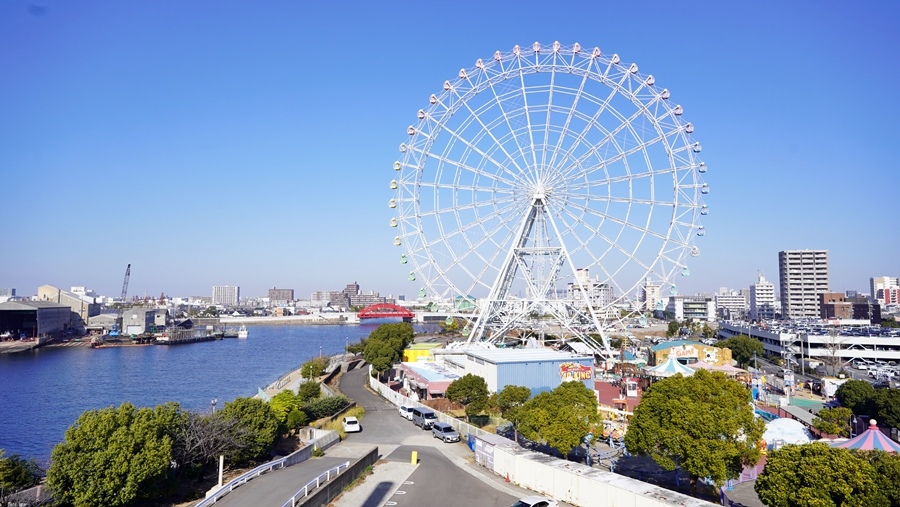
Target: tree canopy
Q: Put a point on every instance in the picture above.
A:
(17, 473)
(471, 391)
(384, 346)
(816, 475)
(114, 456)
(703, 423)
(510, 400)
(742, 348)
(259, 422)
(561, 417)
(887, 406)
(857, 395)
(833, 421)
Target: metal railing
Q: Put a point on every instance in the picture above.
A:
(315, 483)
(242, 479)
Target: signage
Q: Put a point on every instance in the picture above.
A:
(575, 371)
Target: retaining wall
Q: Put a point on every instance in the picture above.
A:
(323, 496)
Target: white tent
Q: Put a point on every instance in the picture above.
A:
(669, 368)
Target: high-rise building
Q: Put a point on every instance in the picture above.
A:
(7, 292)
(762, 299)
(803, 276)
(226, 295)
(885, 290)
(649, 296)
(730, 304)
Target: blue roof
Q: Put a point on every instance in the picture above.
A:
(676, 343)
(431, 372)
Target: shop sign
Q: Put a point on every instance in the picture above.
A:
(575, 371)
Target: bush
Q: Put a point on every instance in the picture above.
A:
(325, 407)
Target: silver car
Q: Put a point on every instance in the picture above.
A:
(445, 432)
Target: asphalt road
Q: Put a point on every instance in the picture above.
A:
(444, 476)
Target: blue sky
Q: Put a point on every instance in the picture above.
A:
(250, 143)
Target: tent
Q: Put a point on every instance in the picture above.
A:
(871, 439)
(669, 368)
(785, 431)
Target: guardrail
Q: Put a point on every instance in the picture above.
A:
(318, 481)
(242, 479)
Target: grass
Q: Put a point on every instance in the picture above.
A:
(336, 425)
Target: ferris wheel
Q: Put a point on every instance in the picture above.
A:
(549, 185)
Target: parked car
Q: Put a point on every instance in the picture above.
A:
(424, 417)
(351, 424)
(405, 412)
(445, 432)
(535, 501)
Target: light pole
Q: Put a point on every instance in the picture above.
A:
(212, 404)
(852, 426)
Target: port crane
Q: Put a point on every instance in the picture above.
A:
(115, 328)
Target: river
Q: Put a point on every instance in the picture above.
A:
(43, 392)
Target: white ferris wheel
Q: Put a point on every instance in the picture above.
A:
(550, 186)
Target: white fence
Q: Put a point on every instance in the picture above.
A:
(315, 483)
(574, 483)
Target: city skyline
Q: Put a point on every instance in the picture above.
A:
(252, 146)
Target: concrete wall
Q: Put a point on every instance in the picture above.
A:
(570, 482)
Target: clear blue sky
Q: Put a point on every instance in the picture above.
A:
(250, 143)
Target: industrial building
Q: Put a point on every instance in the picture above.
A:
(82, 305)
(35, 319)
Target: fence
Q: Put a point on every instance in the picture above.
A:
(315, 483)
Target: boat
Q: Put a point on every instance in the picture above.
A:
(242, 332)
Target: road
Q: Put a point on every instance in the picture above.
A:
(444, 476)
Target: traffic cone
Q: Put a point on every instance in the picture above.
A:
(507, 476)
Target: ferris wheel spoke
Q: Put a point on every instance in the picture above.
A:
(624, 200)
(475, 171)
(569, 116)
(619, 221)
(613, 244)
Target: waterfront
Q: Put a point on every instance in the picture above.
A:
(45, 390)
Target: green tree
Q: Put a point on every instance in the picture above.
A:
(887, 406)
(561, 417)
(673, 329)
(889, 322)
(17, 473)
(510, 400)
(816, 475)
(887, 473)
(833, 421)
(111, 457)
(358, 347)
(259, 423)
(471, 391)
(309, 391)
(857, 395)
(703, 423)
(314, 367)
(384, 346)
(742, 349)
(285, 402)
(325, 407)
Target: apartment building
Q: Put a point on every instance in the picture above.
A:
(762, 299)
(226, 295)
(885, 290)
(803, 276)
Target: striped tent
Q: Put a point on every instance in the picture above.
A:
(869, 440)
(669, 368)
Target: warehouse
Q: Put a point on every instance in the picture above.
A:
(537, 369)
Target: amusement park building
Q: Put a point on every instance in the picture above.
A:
(537, 369)
(687, 352)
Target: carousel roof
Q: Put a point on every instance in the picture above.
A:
(870, 440)
(669, 368)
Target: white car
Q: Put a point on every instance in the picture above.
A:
(351, 424)
(535, 501)
(405, 412)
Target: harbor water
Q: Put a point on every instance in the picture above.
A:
(42, 392)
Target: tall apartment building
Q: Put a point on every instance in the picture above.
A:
(730, 304)
(226, 295)
(803, 276)
(884, 290)
(650, 295)
(600, 295)
(762, 299)
(7, 292)
(280, 296)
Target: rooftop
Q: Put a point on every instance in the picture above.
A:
(497, 356)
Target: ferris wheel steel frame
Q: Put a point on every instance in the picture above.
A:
(520, 175)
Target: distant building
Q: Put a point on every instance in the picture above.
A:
(731, 305)
(692, 308)
(226, 295)
(762, 299)
(7, 292)
(649, 296)
(324, 296)
(35, 319)
(600, 295)
(835, 305)
(280, 296)
(84, 307)
(885, 290)
(138, 320)
(803, 276)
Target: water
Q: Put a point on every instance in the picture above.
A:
(43, 392)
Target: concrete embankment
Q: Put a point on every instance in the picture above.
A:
(293, 320)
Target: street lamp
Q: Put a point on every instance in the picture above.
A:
(852, 426)
(212, 404)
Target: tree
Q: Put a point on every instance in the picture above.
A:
(833, 421)
(887, 473)
(742, 349)
(673, 329)
(561, 417)
(314, 367)
(309, 391)
(509, 400)
(385, 345)
(857, 395)
(17, 473)
(471, 391)
(889, 322)
(816, 475)
(703, 423)
(887, 406)
(259, 425)
(112, 457)
(202, 438)
(325, 407)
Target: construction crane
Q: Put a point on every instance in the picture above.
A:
(115, 328)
